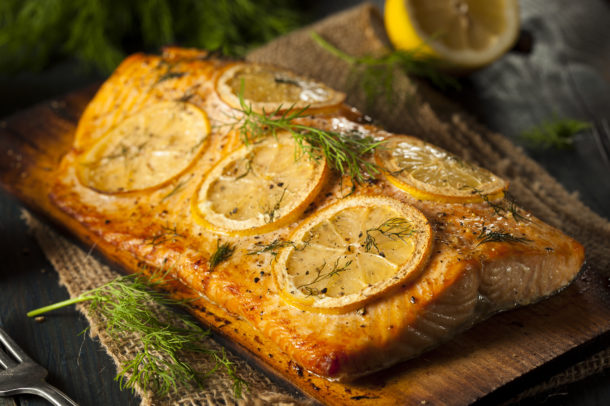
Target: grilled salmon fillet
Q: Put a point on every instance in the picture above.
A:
(463, 281)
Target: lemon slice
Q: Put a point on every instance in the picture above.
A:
(351, 253)
(146, 150)
(465, 33)
(268, 89)
(428, 172)
(258, 188)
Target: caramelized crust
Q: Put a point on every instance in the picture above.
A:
(464, 281)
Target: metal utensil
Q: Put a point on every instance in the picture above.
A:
(19, 374)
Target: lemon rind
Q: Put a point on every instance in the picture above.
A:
(410, 36)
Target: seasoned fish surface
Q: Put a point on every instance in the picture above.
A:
(465, 279)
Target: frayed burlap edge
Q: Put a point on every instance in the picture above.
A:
(79, 271)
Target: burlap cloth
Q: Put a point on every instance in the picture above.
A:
(416, 110)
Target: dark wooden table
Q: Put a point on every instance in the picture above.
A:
(566, 73)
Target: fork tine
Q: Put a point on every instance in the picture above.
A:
(5, 360)
(12, 348)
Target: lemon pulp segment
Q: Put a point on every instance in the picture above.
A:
(466, 33)
(268, 88)
(259, 188)
(145, 150)
(352, 252)
(431, 173)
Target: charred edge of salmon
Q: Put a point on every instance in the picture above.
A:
(334, 360)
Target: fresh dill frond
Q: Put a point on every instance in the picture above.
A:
(176, 188)
(168, 76)
(248, 160)
(166, 336)
(394, 228)
(320, 276)
(34, 33)
(222, 253)
(271, 212)
(376, 74)
(347, 153)
(503, 207)
(487, 236)
(555, 133)
(273, 247)
(513, 209)
(238, 383)
(166, 234)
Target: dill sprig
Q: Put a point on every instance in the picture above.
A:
(133, 304)
(33, 33)
(500, 209)
(487, 236)
(377, 74)
(271, 212)
(248, 159)
(347, 153)
(176, 188)
(555, 133)
(395, 228)
(166, 234)
(222, 253)
(320, 276)
(274, 246)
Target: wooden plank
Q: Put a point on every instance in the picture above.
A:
(459, 372)
(27, 281)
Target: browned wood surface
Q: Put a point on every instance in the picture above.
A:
(463, 370)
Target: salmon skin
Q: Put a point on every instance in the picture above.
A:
(464, 280)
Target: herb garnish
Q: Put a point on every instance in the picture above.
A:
(274, 246)
(555, 133)
(271, 212)
(176, 188)
(376, 74)
(166, 234)
(169, 75)
(336, 270)
(500, 209)
(497, 236)
(345, 152)
(222, 253)
(393, 228)
(248, 160)
(164, 334)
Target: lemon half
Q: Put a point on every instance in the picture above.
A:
(467, 34)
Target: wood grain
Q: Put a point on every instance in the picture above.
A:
(511, 95)
(465, 369)
(27, 281)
